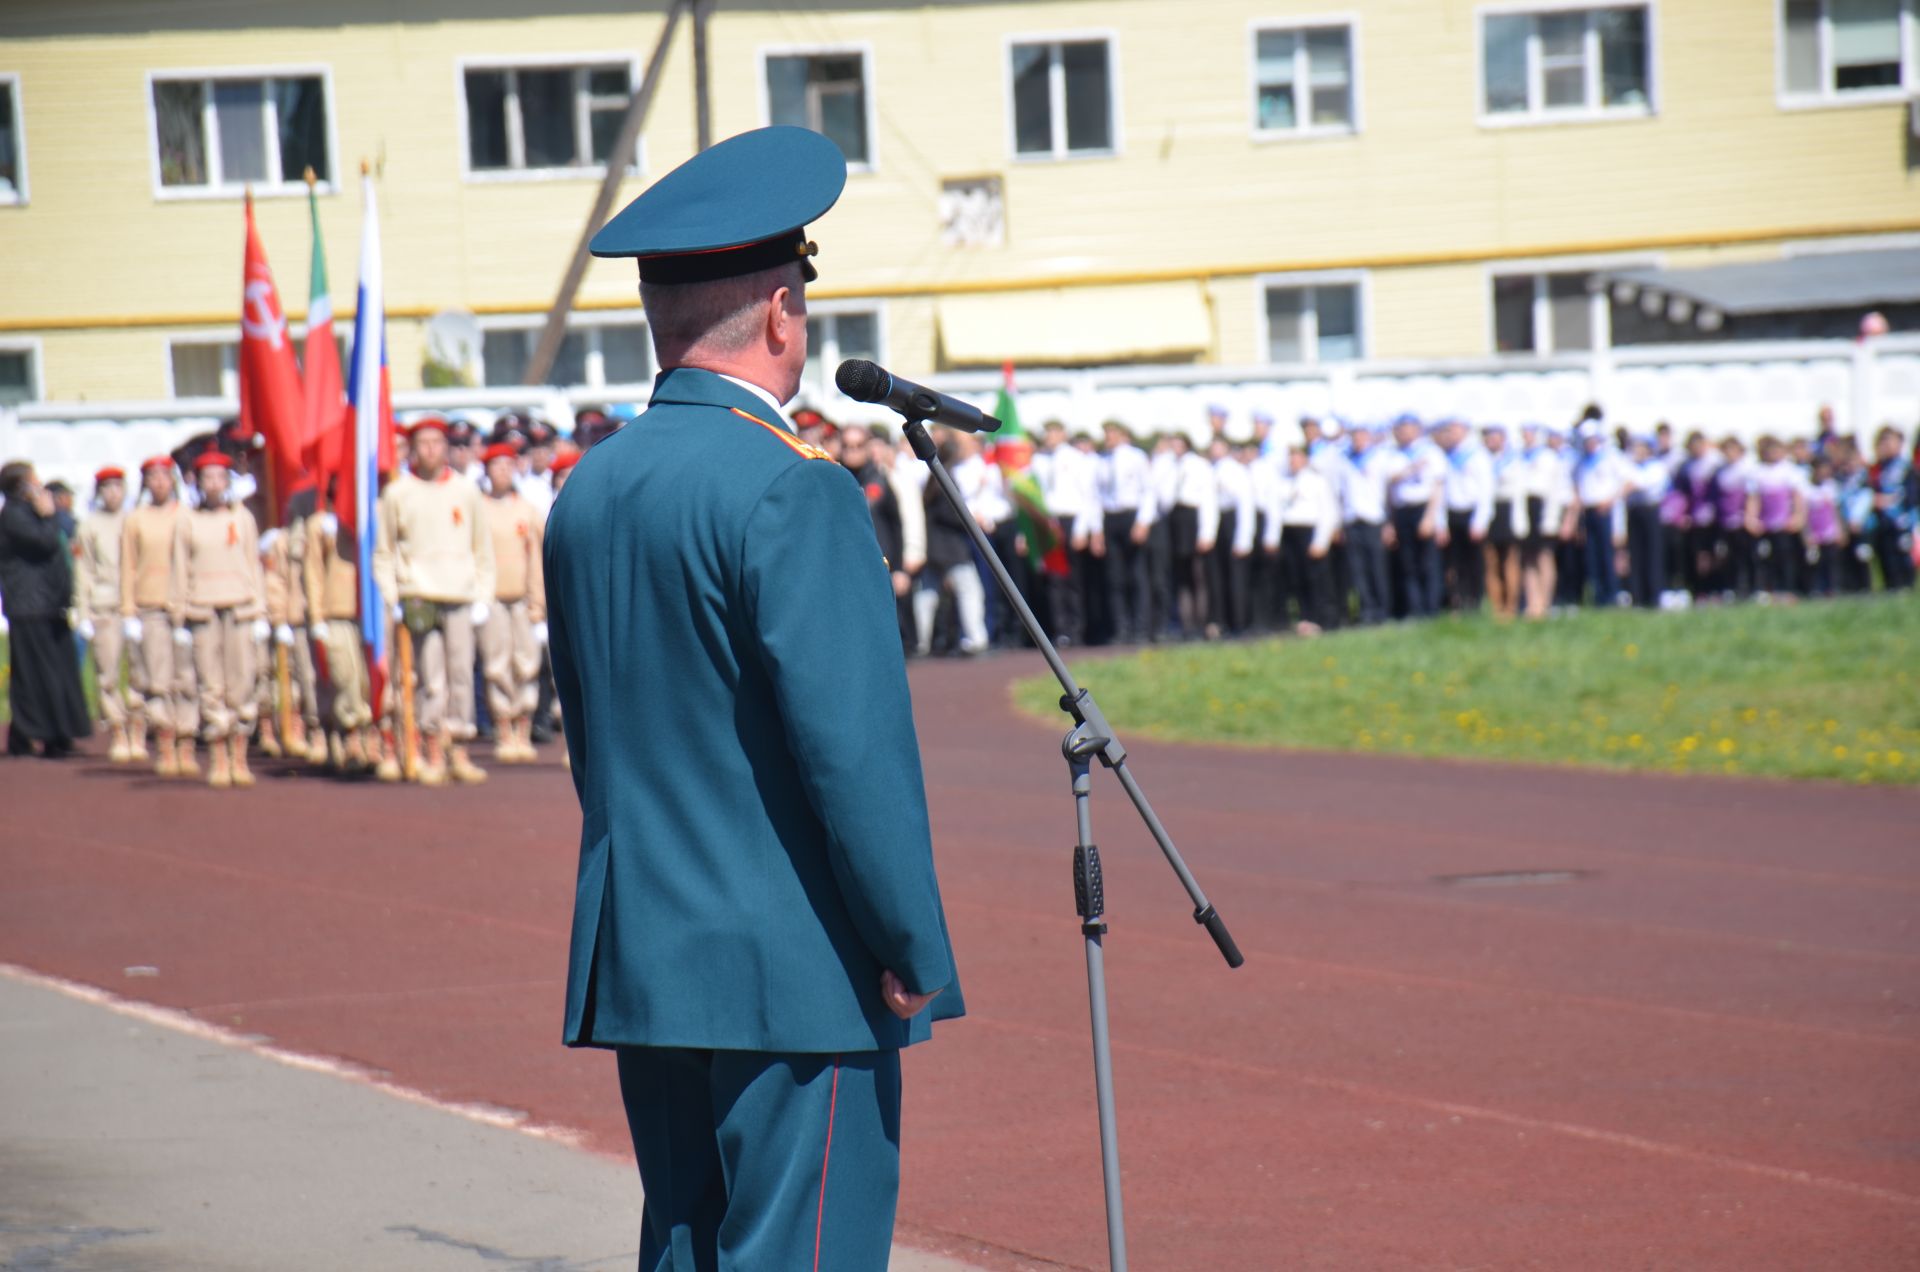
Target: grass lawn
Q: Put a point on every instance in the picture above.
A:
(1823, 690)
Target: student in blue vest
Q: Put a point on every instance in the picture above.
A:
(757, 928)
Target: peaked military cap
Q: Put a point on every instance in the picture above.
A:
(737, 208)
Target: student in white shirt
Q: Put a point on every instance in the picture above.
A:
(1193, 524)
(1507, 528)
(1230, 576)
(1067, 482)
(1599, 482)
(1310, 517)
(1363, 508)
(1128, 511)
(1469, 497)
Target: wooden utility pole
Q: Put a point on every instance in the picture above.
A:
(702, 93)
(623, 146)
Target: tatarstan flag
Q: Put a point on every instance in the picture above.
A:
(270, 395)
(1012, 450)
(322, 430)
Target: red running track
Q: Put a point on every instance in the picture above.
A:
(1704, 1052)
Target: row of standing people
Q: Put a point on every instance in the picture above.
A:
(183, 610)
(1362, 523)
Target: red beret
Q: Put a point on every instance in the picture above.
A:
(212, 459)
(158, 461)
(109, 474)
(563, 462)
(499, 450)
(434, 422)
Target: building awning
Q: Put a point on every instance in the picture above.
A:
(1068, 326)
(1797, 284)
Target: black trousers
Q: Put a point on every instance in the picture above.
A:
(1702, 559)
(1776, 561)
(1189, 572)
(1264, 571)
(1367, 561)
(1066, 599)
(1416, 565)
(1160, 596)
(1308, 580)
(1466, 564)
(1129, 602)
(1340, 570)
(1229, 580)
(1736, 561)
(1823, 575)
(1856, 569)
(1646, 554)
(1891, 546)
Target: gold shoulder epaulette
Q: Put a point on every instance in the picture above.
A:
(806, 450)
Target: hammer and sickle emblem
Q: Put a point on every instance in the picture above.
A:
(257, 315)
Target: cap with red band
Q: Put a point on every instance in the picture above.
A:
(212, 459)
(499, 450)
(109, 474)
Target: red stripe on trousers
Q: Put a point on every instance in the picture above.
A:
(820, 1216)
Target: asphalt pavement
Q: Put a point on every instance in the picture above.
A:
(129, 1140)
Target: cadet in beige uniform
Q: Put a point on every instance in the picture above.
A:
(218, 592)
(434, 557)
(96, 603)
(163, 664)
(516, 627)
(332, 583)
(282, 555)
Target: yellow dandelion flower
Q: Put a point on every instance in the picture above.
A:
(1635, 741)
(1749, 715)
(1896, 758)
(1340, 682)
(1464, 719)
(1727, 746)
(1329, 662)
(1689, 744)
(1872, 758)
(1830, 726)
(1419, 677)
(1631, 651)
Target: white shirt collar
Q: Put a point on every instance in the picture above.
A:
(760, 393)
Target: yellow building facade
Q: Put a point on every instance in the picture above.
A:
(1240, 182)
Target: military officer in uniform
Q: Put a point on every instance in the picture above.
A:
(96, 601)
(434, 558)
(757, 930)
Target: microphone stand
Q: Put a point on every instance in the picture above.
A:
(1090, 738)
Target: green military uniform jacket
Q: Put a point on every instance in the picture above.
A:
(754, 846)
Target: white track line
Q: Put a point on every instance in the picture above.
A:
(186, 1023)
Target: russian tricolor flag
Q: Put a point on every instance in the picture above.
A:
(372, 452)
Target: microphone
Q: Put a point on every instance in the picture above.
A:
(865, 381)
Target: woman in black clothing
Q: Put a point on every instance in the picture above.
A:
(36, 586)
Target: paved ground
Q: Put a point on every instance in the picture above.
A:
(134, 1138)
(1491, 1018)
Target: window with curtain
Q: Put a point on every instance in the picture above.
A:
(548, 119)
(1832, 48)
(826, 92)
(225, 134)
(1303, 80)
(1564, 62)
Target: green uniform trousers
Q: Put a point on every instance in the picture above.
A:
(764, 1162)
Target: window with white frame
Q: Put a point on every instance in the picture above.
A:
(19, 375)
(1557, 312)
(1314, 322)
(594, 354)
(826, 92)
(13, 152)
(1560, 62)
(832, 337)
(1837, 48)
(1303, 80)
(1063, 102)
(545, 118)
(225, 133)
(209, 366)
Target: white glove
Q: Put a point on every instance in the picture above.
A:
(329, 524)
(182, 637)
(479, 612)
(262, 629)
(398, 612)
(132, 628)
(317, 634)
(268, 539)
(283, 634)
(540, 633)
(85, 629)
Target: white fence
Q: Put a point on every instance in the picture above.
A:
(1744, 389)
